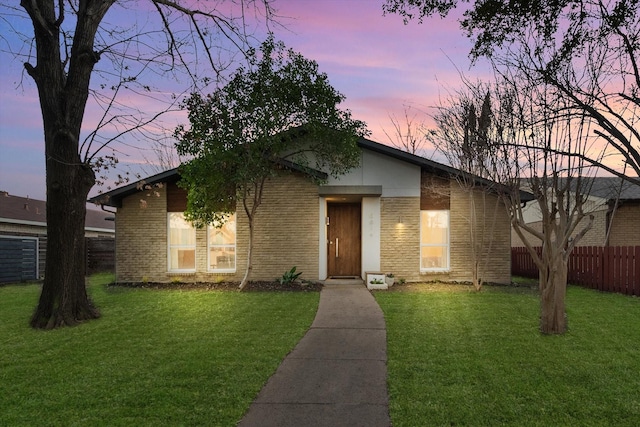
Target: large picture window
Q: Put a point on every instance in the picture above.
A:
(182, 243)
(222, 246)
(434, 240)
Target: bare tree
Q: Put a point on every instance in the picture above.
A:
(162, 157)
(81, 60)
(585, 52)
(462, 137)
(408, 132)
(527, 138)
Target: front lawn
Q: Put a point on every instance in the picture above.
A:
(477, 359)
(154, 358)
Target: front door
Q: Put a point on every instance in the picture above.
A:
(344, 231)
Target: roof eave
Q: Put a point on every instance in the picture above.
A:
(114, 197)
(434, 167)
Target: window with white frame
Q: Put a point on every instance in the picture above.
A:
(434, 240)
(182, 243)
(222, 246)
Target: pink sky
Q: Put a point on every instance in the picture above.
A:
(378, 63)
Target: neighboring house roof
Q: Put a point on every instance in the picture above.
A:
(605, 188)
(611, 188)
(27, 211)
(114, 197)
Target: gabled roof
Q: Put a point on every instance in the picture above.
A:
(114, 197)
(424, 163)
(435, 167)
(24, 210)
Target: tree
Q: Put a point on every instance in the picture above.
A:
(462, 137)
(586, 52)
(279, 112)
(70, 42)
(408, 135)
(528, 133)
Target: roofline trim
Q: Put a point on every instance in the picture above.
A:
(44, 225)
(23, 222)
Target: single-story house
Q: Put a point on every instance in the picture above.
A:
(396, 213)
(23, 236)
(615, 206)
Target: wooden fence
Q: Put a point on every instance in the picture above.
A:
(101, 254)
(608, 269)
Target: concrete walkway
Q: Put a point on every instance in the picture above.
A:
(337, 374)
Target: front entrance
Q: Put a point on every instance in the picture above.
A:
(344, 234)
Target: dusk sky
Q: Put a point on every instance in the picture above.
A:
(377, 62)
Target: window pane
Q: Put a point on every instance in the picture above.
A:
(222, 258)
(222, 245)
(182, 259)
(182, 243)
(181, 231)
(433, 257)
(434, 240)
(434, 228)
(225, 235)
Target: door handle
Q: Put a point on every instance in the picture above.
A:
(337, 247)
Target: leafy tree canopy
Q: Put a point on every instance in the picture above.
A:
(278, 108)
(585, 51)
(494, 23)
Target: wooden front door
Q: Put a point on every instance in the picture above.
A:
(344, 246)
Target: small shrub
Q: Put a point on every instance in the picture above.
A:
(376, 282)
(289, 277)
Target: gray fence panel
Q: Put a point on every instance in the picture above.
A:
(18, 259)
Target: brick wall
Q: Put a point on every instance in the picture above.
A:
(286, 235)
(625, 225)
(141, 238)
(286, 230)
(480, 220)
(596, 236)
(400, 241)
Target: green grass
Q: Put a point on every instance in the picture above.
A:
(477, 359)
(154, 358)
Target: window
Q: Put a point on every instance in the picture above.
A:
(222, 246)
(182, 243)
(434, 240)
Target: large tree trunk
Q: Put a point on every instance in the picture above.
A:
(553, 289)
(63, 94)
(64, 300)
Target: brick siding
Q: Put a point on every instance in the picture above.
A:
(141, 238)
(488, 230)
(625, 229)
(286, 230)
(400, 241)
(286, 235)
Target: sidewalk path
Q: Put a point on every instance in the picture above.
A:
(337, 374)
